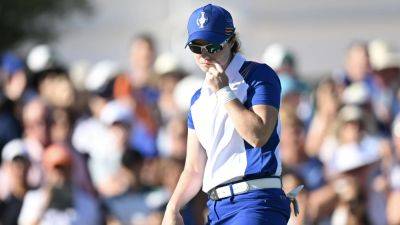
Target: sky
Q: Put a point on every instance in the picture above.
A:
(318, 32)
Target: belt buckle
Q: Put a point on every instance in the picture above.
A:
(213, 195)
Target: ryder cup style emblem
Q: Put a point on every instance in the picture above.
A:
(202, 20)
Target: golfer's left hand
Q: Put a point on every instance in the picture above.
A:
(172, 218)
(216, 77)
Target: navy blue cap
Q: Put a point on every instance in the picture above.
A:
(210, 23)
(11, 64)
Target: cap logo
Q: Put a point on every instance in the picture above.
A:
(202, 20)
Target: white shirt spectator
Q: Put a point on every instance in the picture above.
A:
(93, 137)
(86, 210)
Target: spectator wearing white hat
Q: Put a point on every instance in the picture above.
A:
(350, 132)
(385, 61)
(294, 90)
(280, 58)
(91, 135)
(283, 60)
(104, 139)
(15, 168)
(42, 61)
(360, 95)
(356, 202)
(353, 147)
(100, 74)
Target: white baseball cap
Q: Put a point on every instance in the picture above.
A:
(41, 57)
(13, 149)
(115, 111)
(382, 55)
(166, 62)
(185, 89)
(349, 158)
(100, 74)
(275, 55)
(353, 156)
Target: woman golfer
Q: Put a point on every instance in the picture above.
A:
(232, 131)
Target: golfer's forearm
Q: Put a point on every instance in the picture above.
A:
(188, 186)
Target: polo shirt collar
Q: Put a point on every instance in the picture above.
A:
(234, 66)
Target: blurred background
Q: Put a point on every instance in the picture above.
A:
(94, 96)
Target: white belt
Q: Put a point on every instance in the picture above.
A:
(244, 187)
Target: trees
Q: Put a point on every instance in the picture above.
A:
(22, 20)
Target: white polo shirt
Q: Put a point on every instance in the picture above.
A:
(230, 157)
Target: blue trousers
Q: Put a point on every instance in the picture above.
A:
(260, 207)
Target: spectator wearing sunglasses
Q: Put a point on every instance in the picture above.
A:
(232, 131)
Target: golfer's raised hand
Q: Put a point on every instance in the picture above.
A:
(216, 77)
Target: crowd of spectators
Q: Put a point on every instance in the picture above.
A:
(106, 145)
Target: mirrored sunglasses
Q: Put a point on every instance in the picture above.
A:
(210, 48)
